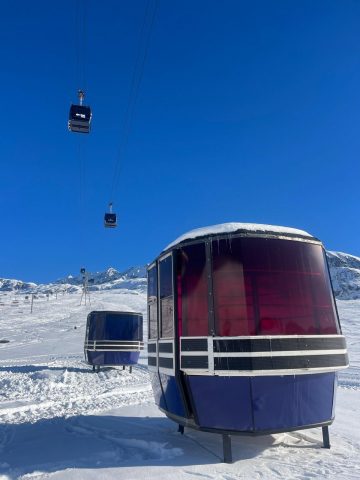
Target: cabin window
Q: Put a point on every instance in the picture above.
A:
(193, 290)
(166, 298)
(271, 287)
(114, 326)
(152, 303)
(233, 290)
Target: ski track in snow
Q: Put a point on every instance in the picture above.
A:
(60, 420)
(58, 390)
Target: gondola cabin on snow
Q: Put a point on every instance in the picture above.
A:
(244, 335)
(113, 338)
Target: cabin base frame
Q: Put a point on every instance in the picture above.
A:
(227, 434)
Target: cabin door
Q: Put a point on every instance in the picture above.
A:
(161, 351)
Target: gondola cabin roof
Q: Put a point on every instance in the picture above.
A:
(251, 229)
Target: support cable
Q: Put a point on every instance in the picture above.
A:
(145, 35)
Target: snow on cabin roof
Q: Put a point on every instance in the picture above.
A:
(224, 228)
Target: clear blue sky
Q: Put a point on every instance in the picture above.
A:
(248, 111)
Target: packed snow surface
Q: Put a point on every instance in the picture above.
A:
(59, 420)
(234, 227)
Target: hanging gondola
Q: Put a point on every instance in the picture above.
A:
(110, 218)
(80, 116)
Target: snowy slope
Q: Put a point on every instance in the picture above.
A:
(59, 420)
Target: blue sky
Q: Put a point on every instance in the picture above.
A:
(247, 111)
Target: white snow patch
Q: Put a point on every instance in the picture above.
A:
(233, 227)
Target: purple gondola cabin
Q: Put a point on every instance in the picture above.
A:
(243, 331)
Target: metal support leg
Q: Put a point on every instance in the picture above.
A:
(181, 429)
(123, 367)
(93, 368)
(130, 369)
(326, 437)
(227, 449)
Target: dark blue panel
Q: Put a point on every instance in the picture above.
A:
(222, 402)
(112, 358)
(105, 325)
(335, 389)
(292, 401)
(158, 393)
(173, 396)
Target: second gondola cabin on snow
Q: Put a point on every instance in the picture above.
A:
(113, 338)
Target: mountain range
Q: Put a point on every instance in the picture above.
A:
(344, 271)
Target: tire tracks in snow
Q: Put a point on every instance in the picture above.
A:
(50, 391)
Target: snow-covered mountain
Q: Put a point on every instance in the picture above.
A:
(9, 285)
(344, 270)
(345, 275)
(133, 278)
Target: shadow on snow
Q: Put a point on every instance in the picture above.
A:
(90, 442)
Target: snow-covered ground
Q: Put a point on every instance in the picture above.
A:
(60, 420)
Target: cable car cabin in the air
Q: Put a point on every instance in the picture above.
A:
(244, 335)
(79, 119)
(110, 220)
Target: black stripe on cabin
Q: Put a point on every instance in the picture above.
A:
(166, 362)
(194, 345)
(280, 363)
(196, 361)
(279, 344)
(152, 361)
(165, 347)
(152, 347)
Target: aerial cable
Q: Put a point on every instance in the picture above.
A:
(145, 35)
(77, 123)
(81, 35)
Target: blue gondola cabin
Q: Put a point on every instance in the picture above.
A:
(113, 338)
(79, 119)
(244, 335)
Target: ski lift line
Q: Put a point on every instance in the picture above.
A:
(81, 37)
(135, 86)
(84, 19)
(145, 35)
(130, 99)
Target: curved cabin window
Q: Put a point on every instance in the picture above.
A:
(271, 287)
(192, 290)
(166, 298)
(234, 292)
(152, 303)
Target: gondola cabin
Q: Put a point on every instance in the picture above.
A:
(113, 338)
(110, 220)
(79, 119)
(244, 335)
